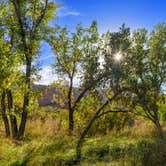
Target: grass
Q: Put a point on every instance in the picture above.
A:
(49, 146)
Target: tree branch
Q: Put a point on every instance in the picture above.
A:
(40, 18)
(111, 111)
(17, 8)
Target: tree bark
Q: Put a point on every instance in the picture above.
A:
(152, 114)
(71, 121)
(159, 129)
(4, 116)
(26, 99)
(13, 119)
(70, 109)
(158, 125)
(82, 137)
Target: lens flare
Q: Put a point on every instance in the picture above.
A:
(118, 56)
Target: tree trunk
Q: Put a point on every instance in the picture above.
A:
(70, 108)
(159, 129)
(13, 119)
(82, 137)
(4, 116)
(158, 125)
(71, 121)
(23, 118)
(26, 99)
(153, 115)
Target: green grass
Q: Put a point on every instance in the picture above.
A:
(45, 145)
(101, 150)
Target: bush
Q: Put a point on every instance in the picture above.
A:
(152, 153)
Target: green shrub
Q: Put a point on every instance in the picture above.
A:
(152, 153)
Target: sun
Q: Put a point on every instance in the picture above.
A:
(118, 56)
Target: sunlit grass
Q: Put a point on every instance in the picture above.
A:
(44, 144)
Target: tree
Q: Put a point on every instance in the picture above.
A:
(77, 57)
(9, 71)
(147, 73)
(29, 20)
(113, 83)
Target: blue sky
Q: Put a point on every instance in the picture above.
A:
(110, 14)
